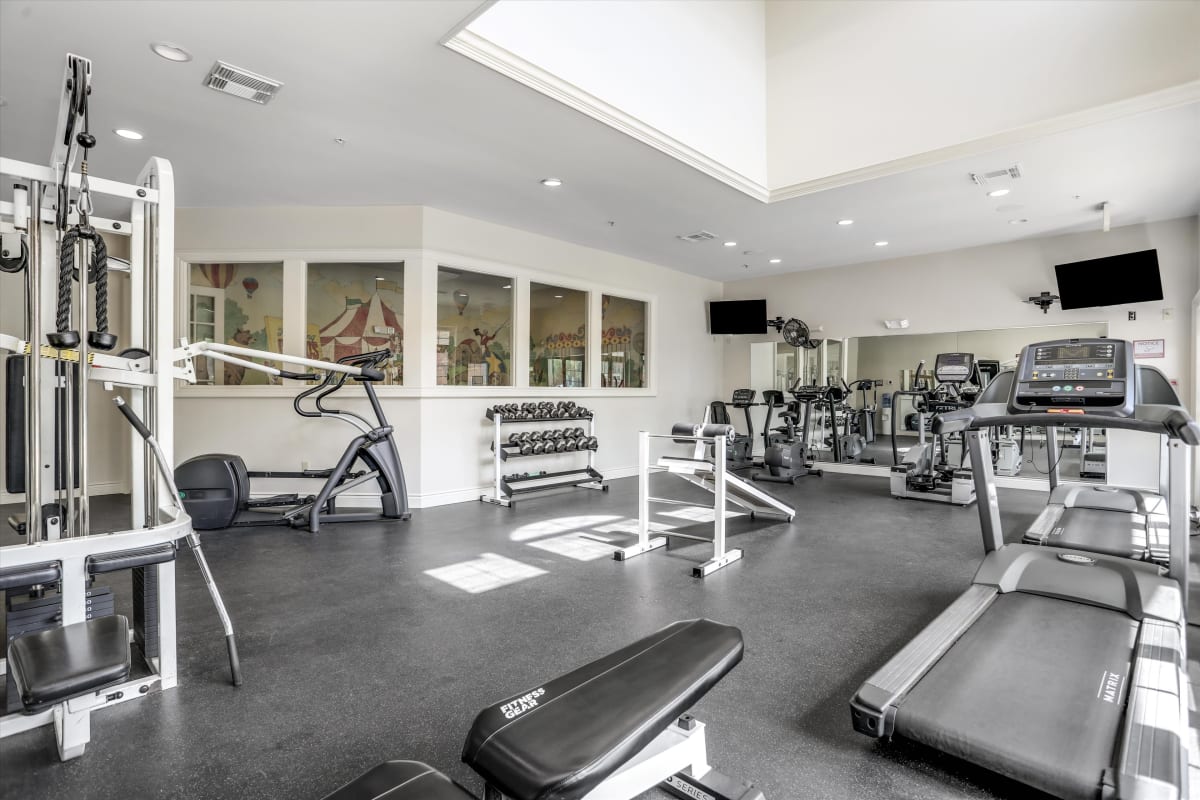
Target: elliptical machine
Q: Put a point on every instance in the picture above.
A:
(786, 457)
(926, 471)
(215, 488)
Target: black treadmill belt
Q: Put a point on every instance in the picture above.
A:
(1115, 533)
(1034, 690)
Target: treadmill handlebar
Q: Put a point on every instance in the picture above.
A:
(1171, 421)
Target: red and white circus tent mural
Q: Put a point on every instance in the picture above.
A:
(358, 329)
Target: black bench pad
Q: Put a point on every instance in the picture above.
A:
(561, 739)
(54, 665)
(401, 780)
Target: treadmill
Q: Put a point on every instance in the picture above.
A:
(1060, 668)
(1116, 520)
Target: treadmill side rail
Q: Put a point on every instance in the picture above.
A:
(1154, 756)
(873, 708)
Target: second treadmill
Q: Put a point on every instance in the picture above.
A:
(1060, 668)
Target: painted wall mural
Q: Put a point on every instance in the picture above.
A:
(622, 342)
(248, 296)
(356, 308)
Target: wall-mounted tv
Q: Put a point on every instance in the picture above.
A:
(737, 316)
(1110, 281)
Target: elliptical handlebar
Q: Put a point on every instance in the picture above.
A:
(367, 364)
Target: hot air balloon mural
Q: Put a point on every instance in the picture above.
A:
(460, 300)
(250, 285)
(218, 275)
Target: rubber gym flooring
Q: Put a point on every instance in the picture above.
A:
(353, 654)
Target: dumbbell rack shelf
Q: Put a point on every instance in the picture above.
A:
(504, 489)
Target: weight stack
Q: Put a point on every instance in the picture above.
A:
(43, 613)
(145, 609)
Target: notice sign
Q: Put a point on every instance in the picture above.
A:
(1150, 348)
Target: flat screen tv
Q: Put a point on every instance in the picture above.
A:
(1110, 281)
(737, 316)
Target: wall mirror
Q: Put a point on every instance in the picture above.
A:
(895, 363)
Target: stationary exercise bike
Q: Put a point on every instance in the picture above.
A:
(786, 458)
(739, 449)
(215, 488)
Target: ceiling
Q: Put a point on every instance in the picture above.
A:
(425, 126)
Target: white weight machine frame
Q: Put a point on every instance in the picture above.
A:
(149, 382)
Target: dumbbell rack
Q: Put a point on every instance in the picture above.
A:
(504, 489)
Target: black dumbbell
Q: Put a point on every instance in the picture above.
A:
(592, 443)
(572, 445)
(516, 438)
(560, 445)
(538, 448)
(535, 436)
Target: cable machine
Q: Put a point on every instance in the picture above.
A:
(79, 662)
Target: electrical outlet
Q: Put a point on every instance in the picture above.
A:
(1168, 313)
(1132, 316)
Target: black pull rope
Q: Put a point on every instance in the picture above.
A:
(97, 264)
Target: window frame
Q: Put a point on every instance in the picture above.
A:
(420, 315)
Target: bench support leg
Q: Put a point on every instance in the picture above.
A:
(72, 729)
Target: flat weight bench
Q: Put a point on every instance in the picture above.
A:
(609, 730)
(63, 669)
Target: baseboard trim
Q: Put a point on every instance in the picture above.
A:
(106, 487)
(470, 494)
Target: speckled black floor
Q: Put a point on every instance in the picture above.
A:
(353, 655)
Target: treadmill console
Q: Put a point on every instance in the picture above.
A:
(1075, 376)
(953, 367)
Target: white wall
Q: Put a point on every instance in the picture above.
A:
(981, 288)
(441, 432)
(693, 71)
(686, 362)
(851, 85)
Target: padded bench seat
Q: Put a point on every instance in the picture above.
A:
(562, 738)
(401, 780)
(57, 664)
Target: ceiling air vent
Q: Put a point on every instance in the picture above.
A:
(698, 236)
(241, 83)
(981, 178)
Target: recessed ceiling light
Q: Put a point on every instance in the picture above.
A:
(998, 192)
(379, 277)
(506, 286)
(845, 222)
(552, 182)
(128, 133)
(881, 244)
(171, 52)
(558, 297)
(1017, 221)
(776, 260)
(731, 244)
